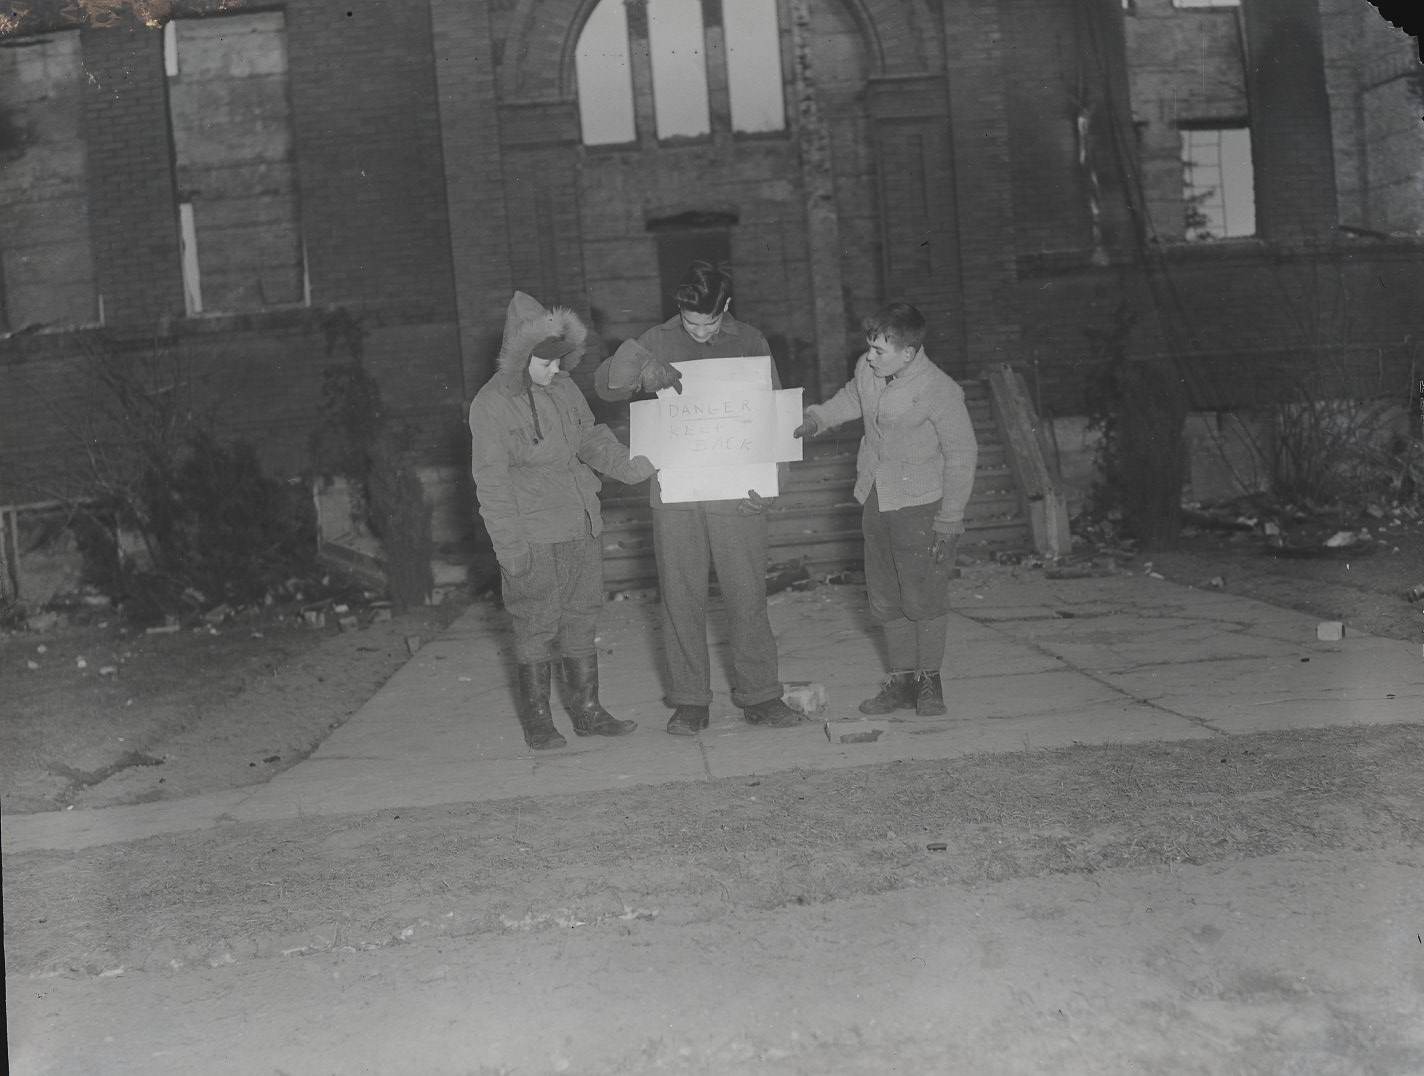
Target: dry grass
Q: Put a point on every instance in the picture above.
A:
(696, 852)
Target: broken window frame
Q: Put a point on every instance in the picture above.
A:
(1236, 197)
(616, 111)
(189, 205)
(79, 243)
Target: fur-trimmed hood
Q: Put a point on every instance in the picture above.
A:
(528, 323)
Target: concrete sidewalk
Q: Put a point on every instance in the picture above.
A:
(1033, 663)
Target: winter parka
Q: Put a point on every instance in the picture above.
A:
(535, 449)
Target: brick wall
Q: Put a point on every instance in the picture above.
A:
(474, 180)
(978, 74)
(368, 150)
(439, 167)
(1186, 65)
(367, 145)
(1290, 122)
(1247, 319)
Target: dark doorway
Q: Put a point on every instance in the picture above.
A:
(684, 239)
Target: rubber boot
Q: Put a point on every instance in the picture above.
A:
(589, 716)
(897, 693)
(534, 716)
(929, 694)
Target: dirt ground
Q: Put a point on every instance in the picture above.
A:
(1169, 908)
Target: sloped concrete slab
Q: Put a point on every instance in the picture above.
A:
(1135, 660)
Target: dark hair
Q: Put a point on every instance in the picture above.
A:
(900, 323)
(705, 289)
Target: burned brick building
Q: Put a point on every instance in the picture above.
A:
(264, 189)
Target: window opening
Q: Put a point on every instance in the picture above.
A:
(604, 72)
(754, 65)
(679, 59)
(232, 139)
(698, 235)
(670, 36)
(1218, 191)
(47, 257)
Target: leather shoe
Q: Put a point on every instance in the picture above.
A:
(688, 720)
(772, 714)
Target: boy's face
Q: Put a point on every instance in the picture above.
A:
(542, 371)
(702, 327)
(887, 359)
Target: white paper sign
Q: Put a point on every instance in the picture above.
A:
(677, 484)
(722, 435)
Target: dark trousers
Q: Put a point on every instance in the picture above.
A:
(687, 542)
(908, 591)
(556, 600)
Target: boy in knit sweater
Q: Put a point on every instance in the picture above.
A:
(914, 474)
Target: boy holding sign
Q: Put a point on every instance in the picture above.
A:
(691, 536)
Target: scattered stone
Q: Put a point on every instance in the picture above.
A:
(349, 623)
(41, 622)
(1073, 572)
(805, 697)
(1413, 594)
(80, 663)
(315, 618)
(854, 731)
(32, 664)
(781, 577)
(109, 670)
(635, 595)
(1341, 540)
(1330, 631)
(161, 629)
(412, 643)
(218, 613)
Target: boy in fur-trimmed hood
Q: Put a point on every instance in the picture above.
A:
(535, 448)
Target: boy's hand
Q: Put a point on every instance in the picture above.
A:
(517, 564)
(809, 426)
(945, 548)
(658, 374)
(754, 504)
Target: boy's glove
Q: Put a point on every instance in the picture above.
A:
(754, 503)
(660, 374)
(945, 548)
(633, 366)
(809, 426)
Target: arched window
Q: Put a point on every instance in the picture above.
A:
(676, 66)
(605, 76)
(754, 65)
(679, 60)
